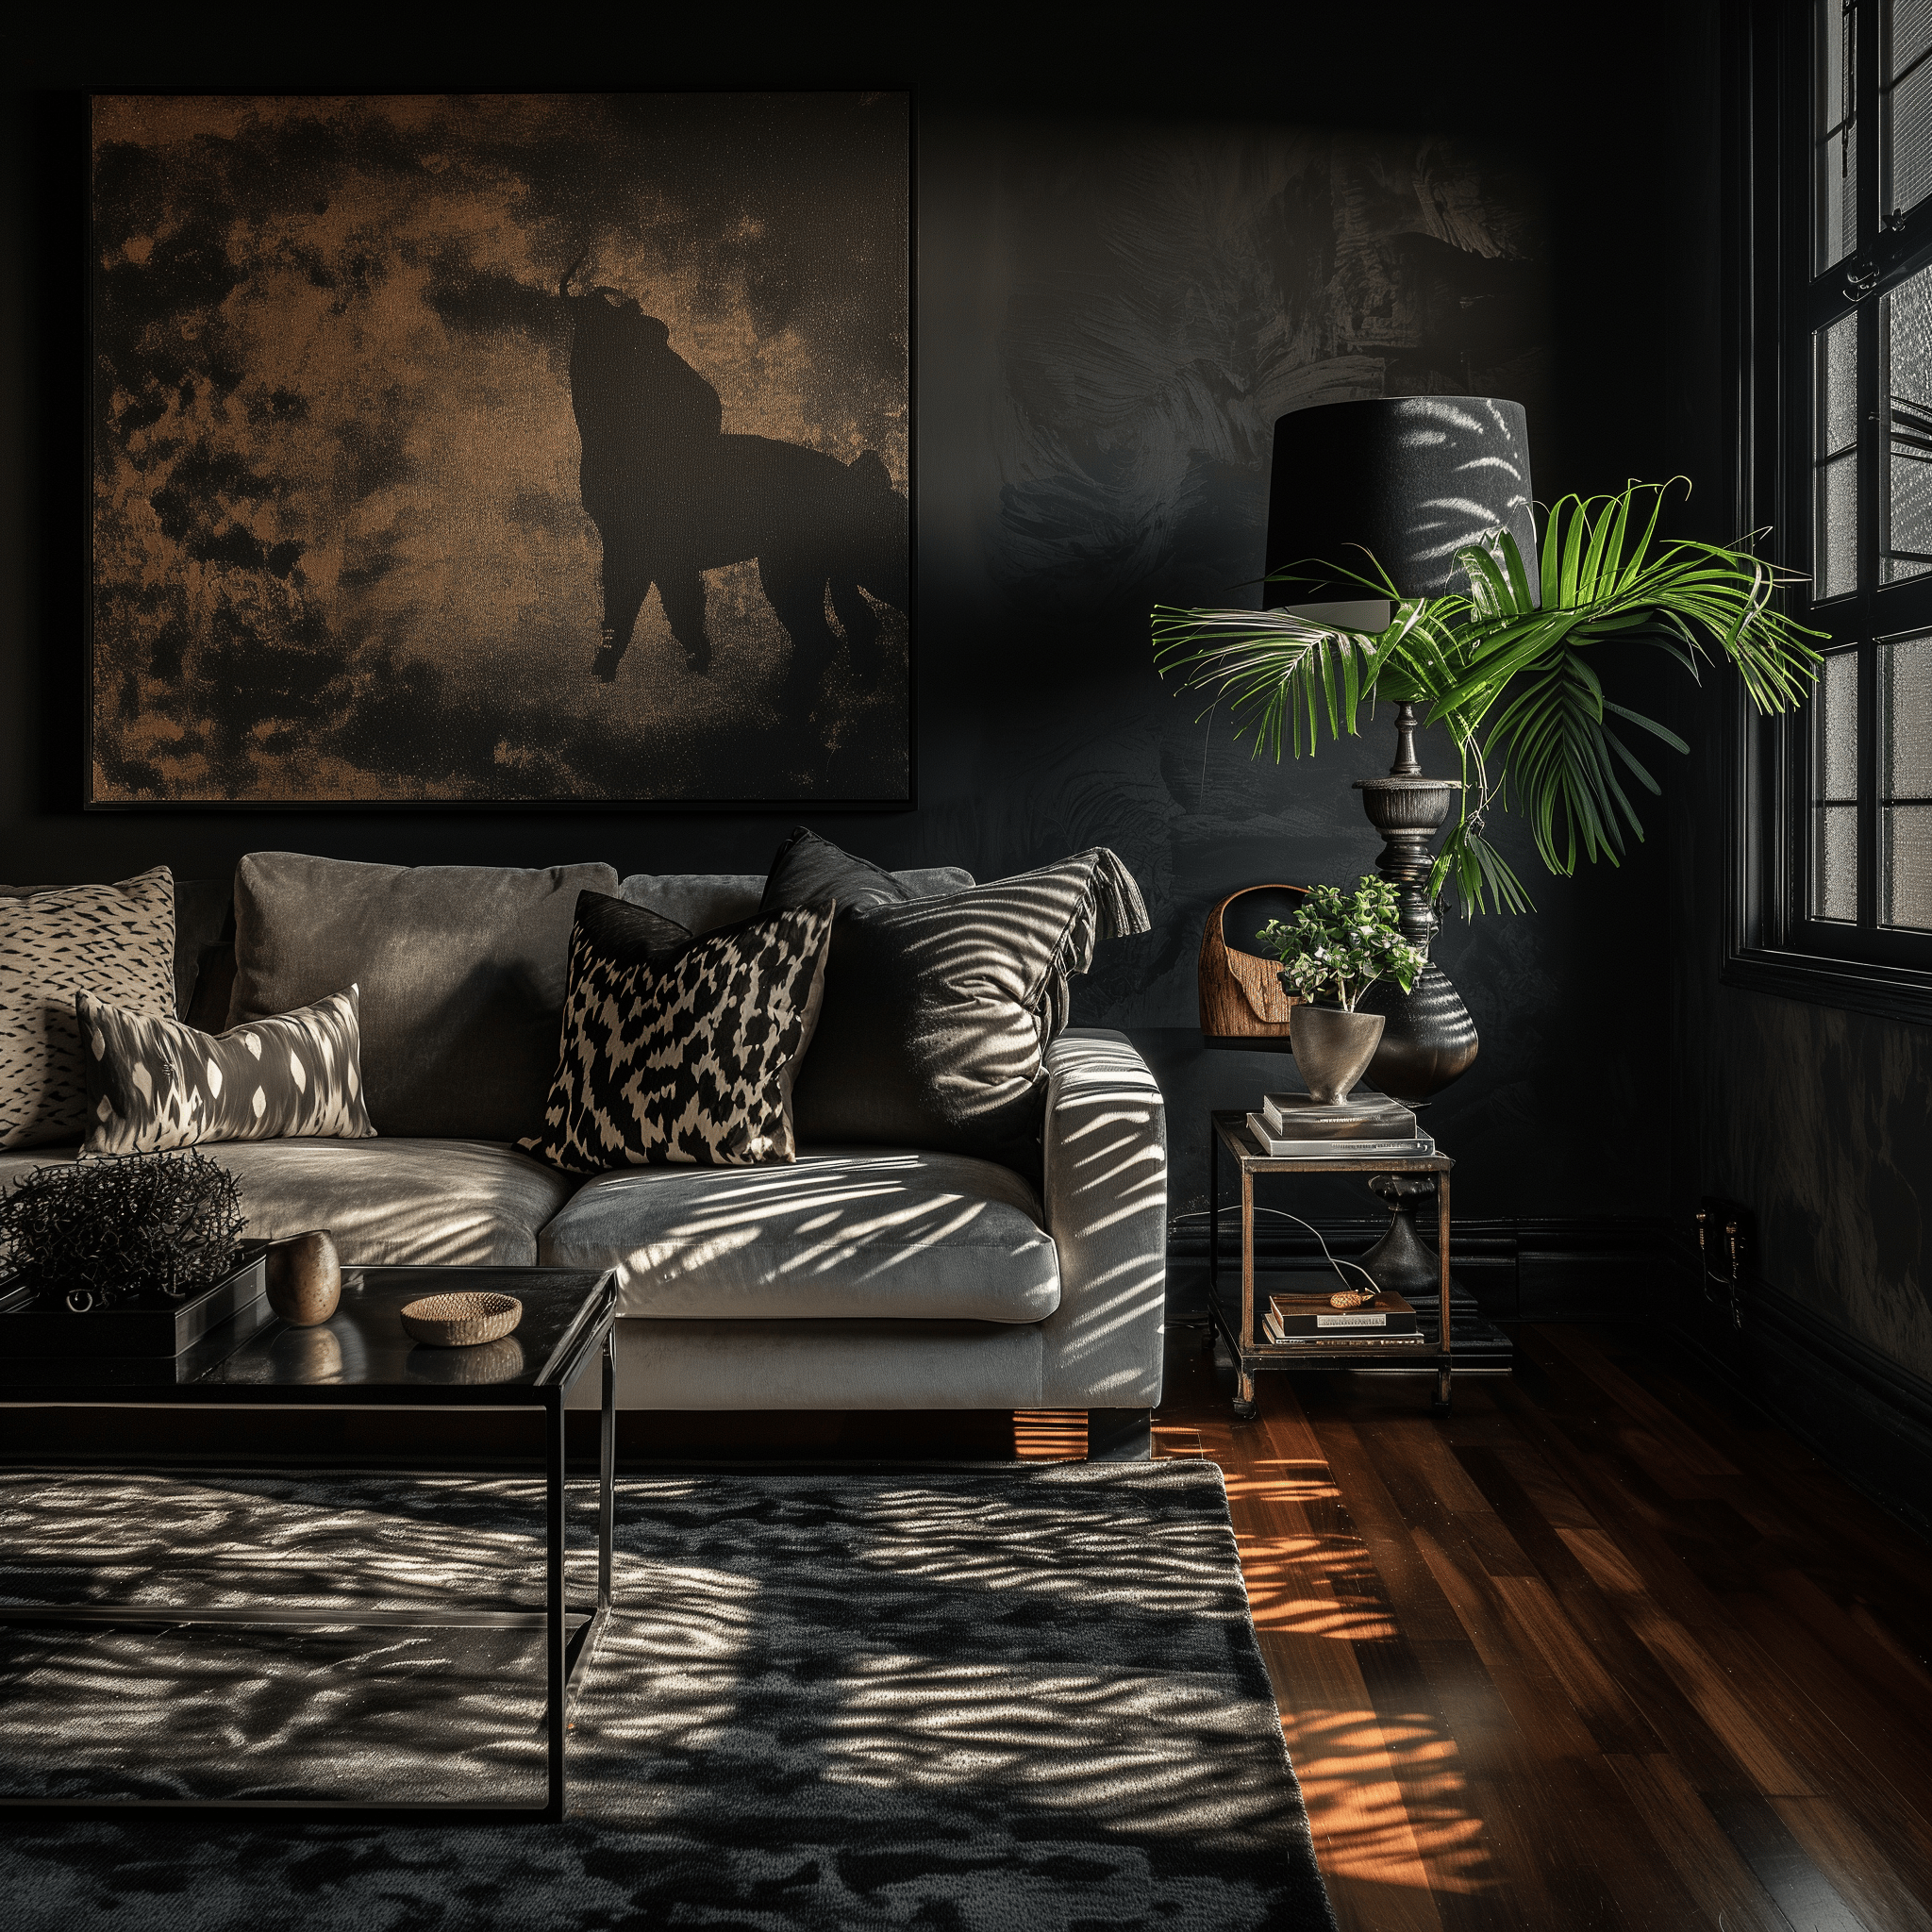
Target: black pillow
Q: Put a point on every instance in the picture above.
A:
(938, 1012)
(806, 869)
(679, 1050)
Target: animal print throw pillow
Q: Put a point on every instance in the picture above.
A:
(939, 1012)
(153, 1084)
(114, 942)
(681, 1050)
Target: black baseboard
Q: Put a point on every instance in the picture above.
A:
(1518, 1271)
(1856, 1410)
(1863, 1416)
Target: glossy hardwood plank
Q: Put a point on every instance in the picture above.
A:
(1858, 1869)
(1726, 1887)
(1590, 1652)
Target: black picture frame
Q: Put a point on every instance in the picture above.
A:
(368, 374)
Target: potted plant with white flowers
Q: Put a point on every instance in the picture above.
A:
(1337, 946)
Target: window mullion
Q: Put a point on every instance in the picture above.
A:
(1872, 479)
(1871, 467)
(1872, 169)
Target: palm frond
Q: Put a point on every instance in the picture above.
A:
(1511, 681)
(1278, 675)
(1481, 874)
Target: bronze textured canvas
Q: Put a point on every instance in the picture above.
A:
(501, 448)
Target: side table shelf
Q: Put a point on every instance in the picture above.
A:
(1237, 1327)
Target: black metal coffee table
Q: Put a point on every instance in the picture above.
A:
(362, 1359)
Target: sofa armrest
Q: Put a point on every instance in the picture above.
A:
(1104, 1188)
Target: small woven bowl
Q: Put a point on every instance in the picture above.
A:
(461, 1321)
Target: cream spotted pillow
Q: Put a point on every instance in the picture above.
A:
(160, 1083)
(114, 942)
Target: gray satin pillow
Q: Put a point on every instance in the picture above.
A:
(462, 971)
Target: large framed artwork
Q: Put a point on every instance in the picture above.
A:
(516, 449)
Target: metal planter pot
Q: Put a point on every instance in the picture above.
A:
(1332, 1048)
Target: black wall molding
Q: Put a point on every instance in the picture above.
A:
(1868, 1420)
(1890, 992)
(1520, 1268)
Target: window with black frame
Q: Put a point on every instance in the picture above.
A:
(1862, 821)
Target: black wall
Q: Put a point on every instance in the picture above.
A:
(1815, 1119)
(1116, 296)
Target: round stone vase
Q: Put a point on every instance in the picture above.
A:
(1332, 1049)
(305, 1278)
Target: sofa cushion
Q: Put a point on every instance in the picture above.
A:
(807, 868)
(678, 1049)
(202, 926)
(702, 901)
(204, 946)
(387, 1203)
(842, 1233)
(938, 1012)
(115, 942)
(153, 1084)
(462, 971)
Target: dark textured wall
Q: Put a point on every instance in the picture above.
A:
(1112, 308)
(1816, 1119)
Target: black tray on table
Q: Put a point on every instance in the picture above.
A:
(150, 1323)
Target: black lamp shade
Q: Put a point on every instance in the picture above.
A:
(1409, 479)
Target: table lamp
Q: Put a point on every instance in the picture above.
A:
(1409, 480)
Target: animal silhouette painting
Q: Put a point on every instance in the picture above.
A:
(501, 448)
(673, 496)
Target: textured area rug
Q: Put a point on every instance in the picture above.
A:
(961, 1702)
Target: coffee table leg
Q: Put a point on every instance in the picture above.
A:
(556, 1634)
(607, 1473)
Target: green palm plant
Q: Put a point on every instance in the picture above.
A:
(1516, 684)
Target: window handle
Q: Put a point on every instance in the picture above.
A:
(1860, 279)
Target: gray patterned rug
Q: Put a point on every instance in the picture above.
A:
(960, 1702)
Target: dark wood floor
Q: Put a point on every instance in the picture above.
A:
(1600, 1649)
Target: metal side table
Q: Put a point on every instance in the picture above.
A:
(256, 1361)
(1253, 1353)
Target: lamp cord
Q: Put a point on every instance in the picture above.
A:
(1282, 1214)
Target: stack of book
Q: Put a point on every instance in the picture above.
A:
(1313, 1321)
(1293, 1126)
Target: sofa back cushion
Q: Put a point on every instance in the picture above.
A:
(703, 901)
(116, 941)
(462, 971)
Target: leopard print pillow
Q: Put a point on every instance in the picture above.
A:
(681, 1051)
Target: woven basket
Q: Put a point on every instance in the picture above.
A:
(1241, 994)
(461, 1321)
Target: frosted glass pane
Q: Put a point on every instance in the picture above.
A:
(1838, 386)
(1907, 840)
(1908, 33)
(1904, 702)
(1837, 163)
(1838, 200)
(1835, 729)
(1838, 528)
(1909, 121)
(1835, 861)
(1907, 332)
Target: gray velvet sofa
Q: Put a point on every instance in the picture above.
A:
(856, 1277)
